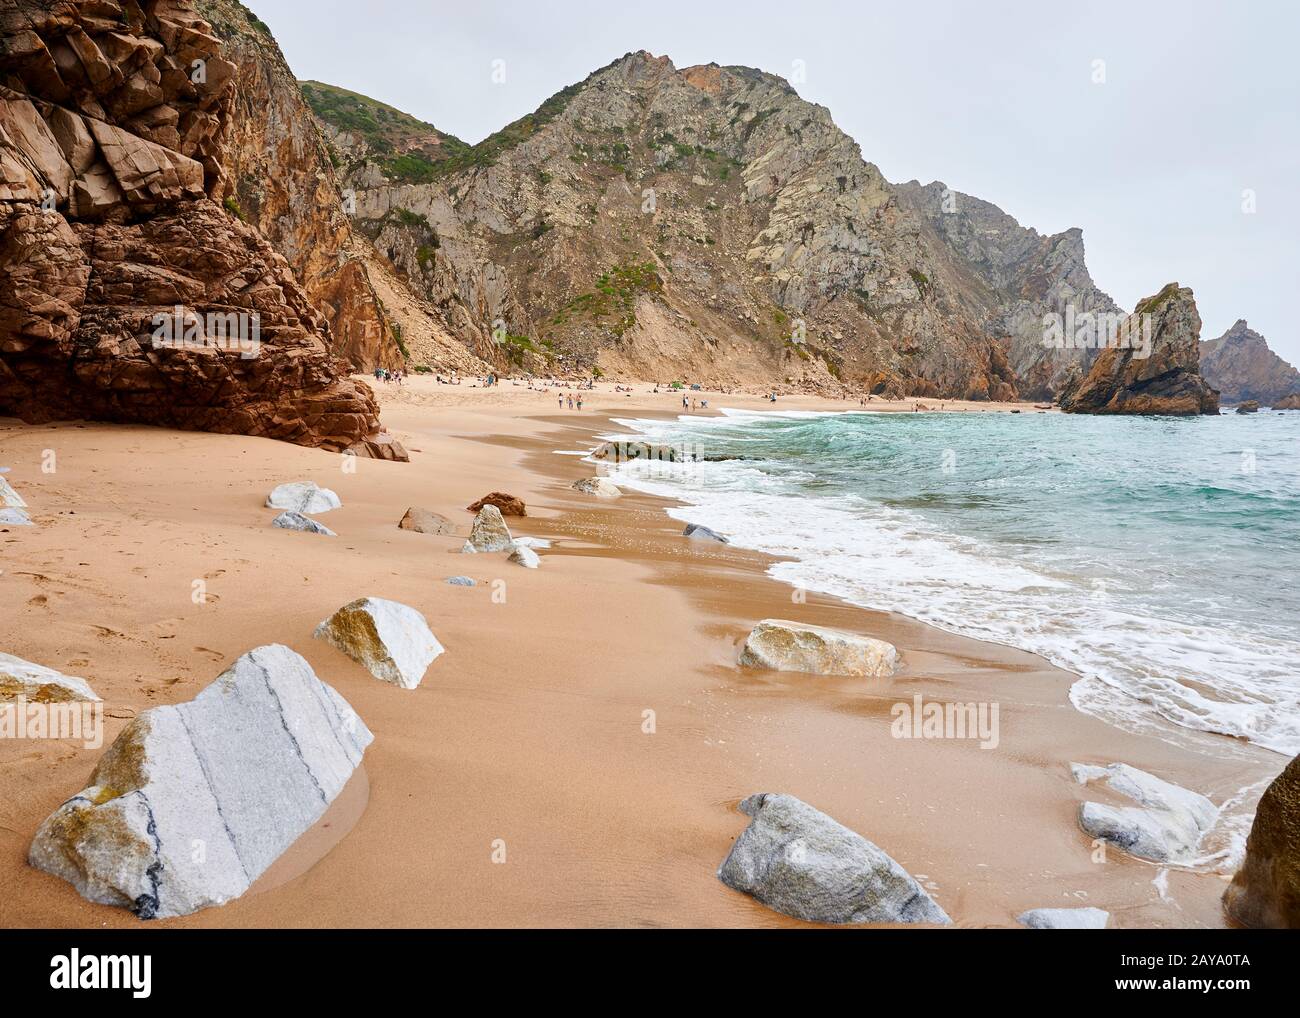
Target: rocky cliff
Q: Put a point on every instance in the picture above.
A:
(128, 289)
(1150, 365)
(706, 223)
(1242, 367)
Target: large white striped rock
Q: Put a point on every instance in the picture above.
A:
(193, 802)
(795, 647)
(799, 861)
(39, 684)
(390, 640)
(10, 498)
(306, 497)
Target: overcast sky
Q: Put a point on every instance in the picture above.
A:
(1199, 104)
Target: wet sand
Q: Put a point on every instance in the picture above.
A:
(528, 733)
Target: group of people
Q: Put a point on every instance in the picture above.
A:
(690, 404)
(390, 376)
(574, 400)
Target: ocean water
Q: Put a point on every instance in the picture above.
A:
(1157, 558)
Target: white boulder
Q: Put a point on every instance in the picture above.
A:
(390, 640)
(290, 520)
(601, 487)
(1167, 824)
(522, 555)
(193, 802)
(38, 684)
(305, 497)
(795, 647)
(797, 860)
(1064, 919)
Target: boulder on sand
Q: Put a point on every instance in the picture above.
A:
(522, 555)
(390, 640)
(696, 532)
(1265, 892)
(795, 647)
(13, 510)
(1165, 826)
(601, 487)
(193, 802)
(489, 532)
(305, 497)
(38, 684)
(422, 521)
(1064, 919)
(290, 520)
(461, 581)
(508, 504)
(797, 860)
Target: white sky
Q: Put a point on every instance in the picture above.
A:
(1201, 101)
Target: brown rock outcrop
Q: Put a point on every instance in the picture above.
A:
(508, 504)
(1242, 367)
(127, 293)
(1266, 890)
(285, 186)
(1153, 366)
(1291, 402)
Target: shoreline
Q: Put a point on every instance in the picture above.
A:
(529, 729)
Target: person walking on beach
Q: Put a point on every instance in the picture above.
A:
(685, 404)
(561, 399)
(579, 402)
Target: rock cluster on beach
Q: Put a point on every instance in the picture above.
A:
(1168, 381)
(390, 640)
(1166, 825)
(112, 179)
(1265, 892)
(784, 646)
(797, 860)
(194, 801)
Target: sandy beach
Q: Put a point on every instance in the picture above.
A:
(528, 736)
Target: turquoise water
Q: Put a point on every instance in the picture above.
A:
(1155, 557)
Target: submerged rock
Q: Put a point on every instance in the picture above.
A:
(305, 497)
(290, 520)
(38, 684)
(1165, 826)
(601, 487)
(797, 860)
(193, 802)
(1265, 892)
(1248, 407)
(701, 533)
(508, 504)
(795, 647)
(390, 640)
(1064, 919)
(422, 521)
(489, 532)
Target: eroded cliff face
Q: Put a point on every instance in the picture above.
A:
(114, 130)
(1242, 367)
(704, 223)
(1153, 368)
(284, 185)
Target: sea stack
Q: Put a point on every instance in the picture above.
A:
(1156, 370)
